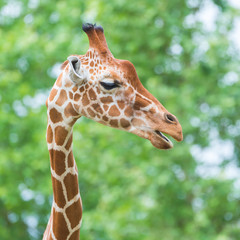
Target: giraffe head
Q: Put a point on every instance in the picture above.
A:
(108, 91)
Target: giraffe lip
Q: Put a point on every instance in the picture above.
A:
(162, 135)
(164, 142)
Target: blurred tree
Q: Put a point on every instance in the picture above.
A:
(183, 54)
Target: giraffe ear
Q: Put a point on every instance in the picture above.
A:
(76, 72)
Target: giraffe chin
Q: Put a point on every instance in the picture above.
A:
(159, 141)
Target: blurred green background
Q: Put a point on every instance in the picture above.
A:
(186, 53)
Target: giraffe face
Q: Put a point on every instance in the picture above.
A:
(108, 91)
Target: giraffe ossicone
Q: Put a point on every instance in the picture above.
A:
(108, 91)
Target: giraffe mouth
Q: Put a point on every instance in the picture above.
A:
(162, 135)
(159, 140)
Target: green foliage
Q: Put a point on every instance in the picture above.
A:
(129, 189)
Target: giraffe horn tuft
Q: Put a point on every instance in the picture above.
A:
(99, 27)
(88, 26)
(96, 38)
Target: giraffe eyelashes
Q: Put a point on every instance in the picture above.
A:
(110, 85)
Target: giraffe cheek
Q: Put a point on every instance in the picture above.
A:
(106, 100)
(76, 97)
(113, 111)
(121, 104)
(138, 122)
(128, 111)
(97, 108)
(85, 100)
(92, 95)
(128, 92)
(105, 107)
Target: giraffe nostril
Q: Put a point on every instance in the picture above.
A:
(170, 118)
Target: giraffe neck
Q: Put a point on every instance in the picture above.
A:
(66, 214)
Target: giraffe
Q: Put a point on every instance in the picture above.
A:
(108, 91)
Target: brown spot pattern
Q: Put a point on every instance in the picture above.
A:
(60, 135)
(69, 142)
(152, 110)
(62, 98)
(140, 103)
(129, 91)
(124, 123)
(70, 159)
(85, 100)
(92, 94)
(59, 80)
(77, 97)
(106, 99)
(57, 159)
(60, 229)
(121, 104)
(113, 111)
(58, 193)
(74, 212)
(52, 94)
(71, 183)
(74, 88)
(138, 122)
(114, 123)
(82, 89)
(71, 95)
(97, 108)
(105, 107)
(128, 111)
(55, 116)
(105, 118)
(70, 111)
(91, 112)
(49, 134)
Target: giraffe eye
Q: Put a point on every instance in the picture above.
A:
(109, 85)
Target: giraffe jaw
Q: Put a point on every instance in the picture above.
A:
(159, 140)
